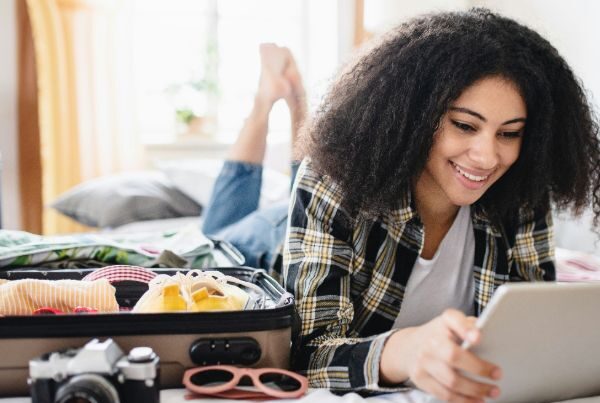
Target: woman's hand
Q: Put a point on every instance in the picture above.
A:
(432, 358)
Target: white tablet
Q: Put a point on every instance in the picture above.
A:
(546, 339)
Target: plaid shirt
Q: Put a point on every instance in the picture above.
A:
(349, 276)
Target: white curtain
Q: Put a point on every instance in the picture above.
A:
(109, 140)
(87, 128)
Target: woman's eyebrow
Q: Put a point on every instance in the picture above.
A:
(480, 116)
(469, 111)
(515, 121)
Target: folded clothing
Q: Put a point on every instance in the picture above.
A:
(575, 266)
(199, 291)
(22, 297)
(184, 247)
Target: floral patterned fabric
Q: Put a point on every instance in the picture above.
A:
(186, 247)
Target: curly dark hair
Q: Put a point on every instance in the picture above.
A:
(375, 128)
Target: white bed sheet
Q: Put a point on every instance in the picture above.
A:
(316, 395)
(154, 225)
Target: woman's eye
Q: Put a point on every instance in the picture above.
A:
(511, 135)
(463, 126)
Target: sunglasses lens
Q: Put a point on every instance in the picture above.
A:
(213, 377)
(280, 382)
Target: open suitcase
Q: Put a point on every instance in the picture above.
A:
(253, 338)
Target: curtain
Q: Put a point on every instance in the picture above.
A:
(30, 165)
(83, 63)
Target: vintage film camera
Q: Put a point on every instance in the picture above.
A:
(98, 372)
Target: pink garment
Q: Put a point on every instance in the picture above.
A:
(573, 266)
(121, 273)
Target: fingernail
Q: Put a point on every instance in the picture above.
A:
(494, 393)
(497, 374)
(472, 335)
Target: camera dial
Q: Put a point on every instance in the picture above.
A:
(141, 354)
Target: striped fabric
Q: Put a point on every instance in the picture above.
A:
(122, 273)
(349, 276)
(22, 297)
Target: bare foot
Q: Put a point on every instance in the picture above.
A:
(292, 74)
(272, 84)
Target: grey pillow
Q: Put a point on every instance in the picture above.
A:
(120, 199)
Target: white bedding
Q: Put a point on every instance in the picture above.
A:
(154, 225)
(317, 395)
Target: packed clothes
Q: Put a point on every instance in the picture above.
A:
(194, 291)
(199, 291)
(24, 297)
(187, 247)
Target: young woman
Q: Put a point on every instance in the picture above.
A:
(431, 170)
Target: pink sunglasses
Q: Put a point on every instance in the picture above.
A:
(223, 381)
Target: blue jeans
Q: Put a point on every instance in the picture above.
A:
(232, 214)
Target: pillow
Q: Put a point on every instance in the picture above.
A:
(120, 199)
(196, 178)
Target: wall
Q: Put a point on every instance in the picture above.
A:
(572, 27)
(8, 116)
(381, 15)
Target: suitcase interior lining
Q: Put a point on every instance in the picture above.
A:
(277, 314)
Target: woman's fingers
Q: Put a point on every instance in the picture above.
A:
(440, 366)
(460, 358)
(434, 387)
(471, 363)
(453, 380)
(461, 325)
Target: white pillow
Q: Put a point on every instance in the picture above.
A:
(196, 179)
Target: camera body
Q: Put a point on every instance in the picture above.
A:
(99, 371)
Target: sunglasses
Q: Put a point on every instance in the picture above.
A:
(53, 311)
(232, 382)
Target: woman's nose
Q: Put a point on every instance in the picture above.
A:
(484, 151)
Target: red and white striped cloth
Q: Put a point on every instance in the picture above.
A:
(22, 297)
(118, 273)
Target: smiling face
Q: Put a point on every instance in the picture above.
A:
(479, 139)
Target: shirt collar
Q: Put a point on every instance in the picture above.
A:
(407, 212)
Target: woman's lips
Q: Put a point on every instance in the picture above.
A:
(468, 179)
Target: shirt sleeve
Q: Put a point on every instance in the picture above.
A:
(533, 251)
(318, 266)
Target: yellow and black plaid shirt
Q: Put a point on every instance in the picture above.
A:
(349, 276)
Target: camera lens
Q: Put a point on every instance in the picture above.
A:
(87, 388)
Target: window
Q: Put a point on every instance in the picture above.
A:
(201, 57)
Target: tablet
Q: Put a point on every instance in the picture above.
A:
(546, 339)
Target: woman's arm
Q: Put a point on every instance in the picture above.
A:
(318, 262)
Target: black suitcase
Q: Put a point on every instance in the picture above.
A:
(253, 338)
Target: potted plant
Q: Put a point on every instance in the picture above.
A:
(195, 99)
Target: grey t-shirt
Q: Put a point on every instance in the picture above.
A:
(445, 281)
